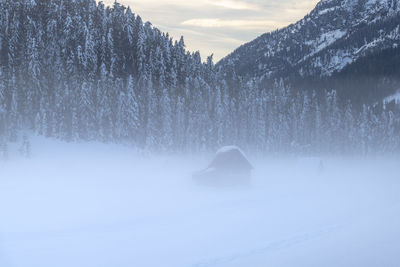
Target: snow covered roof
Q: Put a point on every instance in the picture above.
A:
(229, 148)
(231, 157)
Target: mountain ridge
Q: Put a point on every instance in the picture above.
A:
(333, 35)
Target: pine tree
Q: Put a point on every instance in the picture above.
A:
(130, 112)
(180, 125)
(13, 117)
(349, 128)
(25, 148)
(153, 116)
(219, 120)
(364, 127)
(3, 113)
(3, 148)
(166, 114)
(140, 45)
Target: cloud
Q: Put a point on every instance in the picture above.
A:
(238, 5)
(242, 24)
(218, 26)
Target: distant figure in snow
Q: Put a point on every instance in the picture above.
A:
(321, 167)
(229, 167)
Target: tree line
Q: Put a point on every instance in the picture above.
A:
(80, 70)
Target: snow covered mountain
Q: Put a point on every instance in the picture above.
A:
(332, 37)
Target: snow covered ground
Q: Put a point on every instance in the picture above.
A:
(95, 205)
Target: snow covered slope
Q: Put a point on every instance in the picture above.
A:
(97, 205)
(334, 35)
(393, 98)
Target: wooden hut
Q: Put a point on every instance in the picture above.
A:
(229, 166)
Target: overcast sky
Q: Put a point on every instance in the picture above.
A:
(218, 26)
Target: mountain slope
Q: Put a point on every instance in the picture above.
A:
(334, 35)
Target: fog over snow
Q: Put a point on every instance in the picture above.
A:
(95, 102)
(94, 205)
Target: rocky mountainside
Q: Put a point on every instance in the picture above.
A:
(327, 42)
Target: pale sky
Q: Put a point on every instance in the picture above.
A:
(218, 26)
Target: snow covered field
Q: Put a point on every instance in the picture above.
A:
(96, 205)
